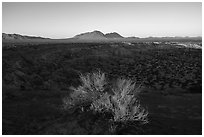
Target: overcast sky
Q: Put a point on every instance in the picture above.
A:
(63, 20)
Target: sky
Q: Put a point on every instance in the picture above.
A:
(66, 19)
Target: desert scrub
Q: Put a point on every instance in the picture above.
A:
(123, 104)
(120, 100)
(92, 87)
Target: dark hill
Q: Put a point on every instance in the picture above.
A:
(19, 37)
(113, 35)
(91, 35)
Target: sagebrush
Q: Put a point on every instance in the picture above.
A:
(121, 100)
(123, 104)
(91, 88)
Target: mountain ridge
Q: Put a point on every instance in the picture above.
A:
(113, 35)
(93, 36)
(20, 37)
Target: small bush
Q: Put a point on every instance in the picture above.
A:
(94, 82)
(92, 87)
(123, 104)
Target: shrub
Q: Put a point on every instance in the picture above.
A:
(103, 104)
(123, 104)
(92, 87)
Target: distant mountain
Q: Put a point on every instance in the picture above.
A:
(98, 35)
(113, 35)
(19, 37)
(94, 36)
(91, 35)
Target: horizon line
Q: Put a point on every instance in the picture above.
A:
(103, 33)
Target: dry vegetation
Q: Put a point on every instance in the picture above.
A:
(122, 104)
(58, 89)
